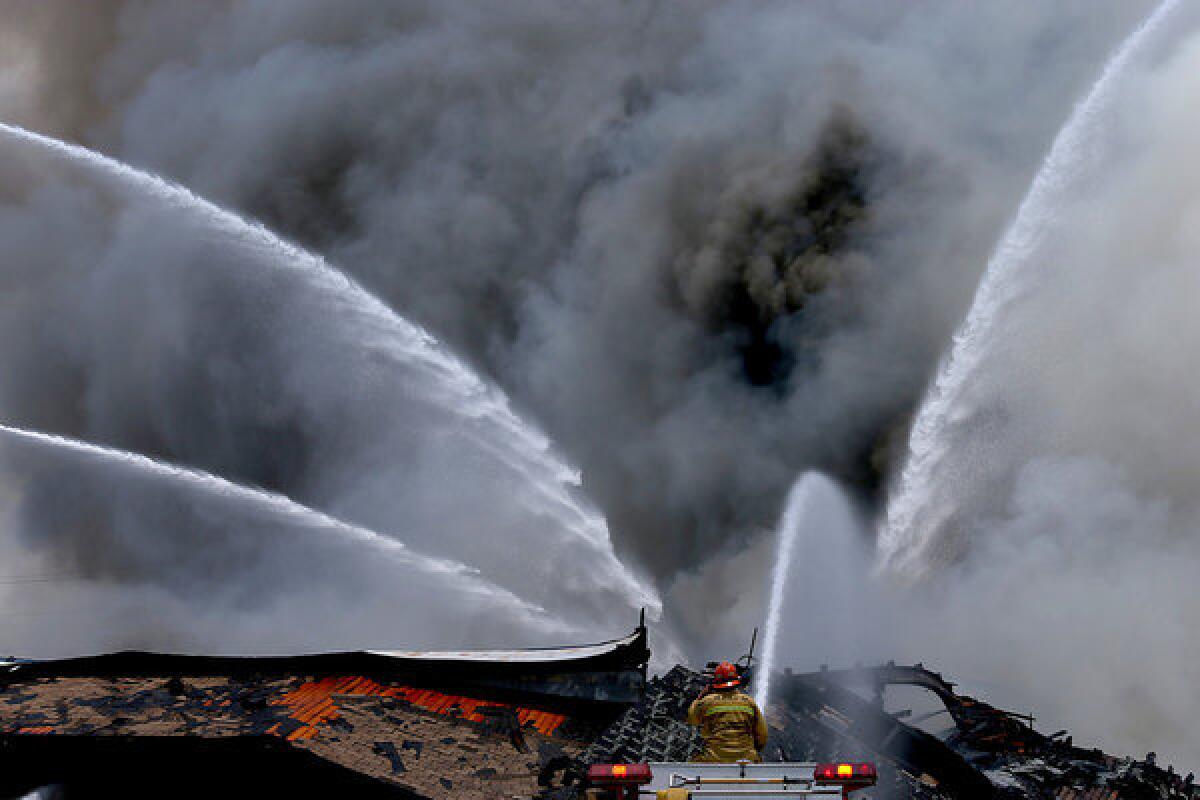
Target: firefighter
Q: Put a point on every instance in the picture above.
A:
(731, 723)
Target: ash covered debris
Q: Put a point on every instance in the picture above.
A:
(1068, 773)
(357, 728)
(356, 724)
(654, 729)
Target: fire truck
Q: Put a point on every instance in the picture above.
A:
(669, 780)
(739, 781)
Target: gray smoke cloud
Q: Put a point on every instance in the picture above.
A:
(705, 251)
(569, 197)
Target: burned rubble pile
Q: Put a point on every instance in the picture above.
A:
(478, 726)
(818, 717)
(1053, 766)
(465, 725)
(349, 735)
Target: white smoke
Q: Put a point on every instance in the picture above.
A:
(1077, 608)
(1078, 537)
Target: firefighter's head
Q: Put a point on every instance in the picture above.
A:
(726, 676)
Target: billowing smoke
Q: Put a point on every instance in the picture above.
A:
(704, 251)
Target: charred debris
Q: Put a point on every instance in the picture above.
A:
(496, 725)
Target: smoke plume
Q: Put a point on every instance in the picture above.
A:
(704, 251)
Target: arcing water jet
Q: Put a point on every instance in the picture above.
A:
(311, 536)
(816, 532)
(788, 530)
(564, 550)
(211, 484)
(916, 513)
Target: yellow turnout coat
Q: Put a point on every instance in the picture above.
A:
(732, 726)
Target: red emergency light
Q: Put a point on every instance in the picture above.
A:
(618, 781)
(619, 774)
(848, 773)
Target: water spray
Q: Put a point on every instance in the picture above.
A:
(1007, 276)
(789, 529)
(269, 502)
(519, 452)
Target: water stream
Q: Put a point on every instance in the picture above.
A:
(505, 502)
(799, 522)
(223, 548)
(923, 499)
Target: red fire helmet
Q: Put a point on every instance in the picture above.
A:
(725, 676)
